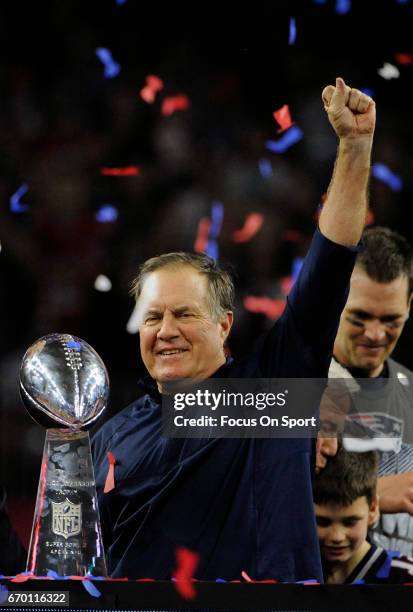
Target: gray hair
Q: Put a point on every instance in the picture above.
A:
(220, 283)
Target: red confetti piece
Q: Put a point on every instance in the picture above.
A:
(153, 85)
(201, 242)
(370, 217)
(128, 171)
(252, 225)
(21, 578)
(245, 576)
(283, 118)
(265, 305)
(110, 477)
(174, 103)
(404, 58)
(286, 284)
(187, 562)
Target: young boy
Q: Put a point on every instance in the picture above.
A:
(346, 505)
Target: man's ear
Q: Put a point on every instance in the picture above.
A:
(374, 512)
(226, 324)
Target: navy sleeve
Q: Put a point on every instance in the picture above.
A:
(301, 342)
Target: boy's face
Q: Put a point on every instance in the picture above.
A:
(343, 529)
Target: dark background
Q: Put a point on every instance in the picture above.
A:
(61, 121)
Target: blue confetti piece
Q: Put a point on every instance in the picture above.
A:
(265, 167)
(343, 6)
(383, 173)
(91, 589)
(293, 32)
(296, 267)
(368, 91)
(319, 1)
(4, 593)
(217, 216)
(112, 68)
(212, 249)
(74, 345)
(359, 582)
(120, 2)
(219, 580)
(15, 205)
(289, 138)
(402, 1)
(106, 214)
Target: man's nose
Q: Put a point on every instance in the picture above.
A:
(168, 328)
(374, 331)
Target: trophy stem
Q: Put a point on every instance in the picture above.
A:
(66, 536)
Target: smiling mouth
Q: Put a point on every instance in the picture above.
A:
(171, 352)
(336, 550)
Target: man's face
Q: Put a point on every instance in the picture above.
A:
(179, 337)
(371, 322)
(343, 529)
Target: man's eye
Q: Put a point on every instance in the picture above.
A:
(322, 522)
(151, 318)
(355, 322)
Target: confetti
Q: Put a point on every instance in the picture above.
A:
(128, 171)
(289, 138)
(120, 2)
(74, 345)
(252, 225)
(265, 305)
(4, 591)
(15, 205)
(212, 249)
(201, 241)
(245, 576)
(319, 1)
(283, 118)
(111, 68)
(187, 562)
(343, 6)
(102, 283)
(217, 216)
(174, 103)
(404, 58)
(153, 85)
(389, 71)
(292, 35)
(368, 91)
(383, 173)
(265, 167)
(91, 589)
(110, 476)
(106, 214)
(132, 326)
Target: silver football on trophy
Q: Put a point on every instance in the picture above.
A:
(63, 382)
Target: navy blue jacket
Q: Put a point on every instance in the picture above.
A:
(243, 504)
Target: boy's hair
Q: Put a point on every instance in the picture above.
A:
(346, 477)
(385, 256)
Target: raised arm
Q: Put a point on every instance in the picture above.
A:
(353, 116)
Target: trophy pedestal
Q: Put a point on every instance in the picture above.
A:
(66, 536)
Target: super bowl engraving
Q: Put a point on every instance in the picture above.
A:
(64, 386)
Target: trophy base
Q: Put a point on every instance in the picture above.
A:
(66, 536)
